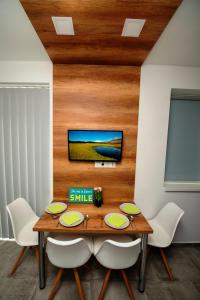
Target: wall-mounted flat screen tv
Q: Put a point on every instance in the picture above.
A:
(95, 145)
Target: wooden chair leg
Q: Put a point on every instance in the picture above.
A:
(78, 283)
(104, 286)
(17, 263)
(55, 285)
(37, 253)
(167, 267)
(127, 284)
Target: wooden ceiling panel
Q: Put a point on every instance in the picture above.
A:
(98, 25)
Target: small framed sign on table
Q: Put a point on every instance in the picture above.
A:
(81, 195)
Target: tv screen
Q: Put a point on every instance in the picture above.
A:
(95, 145)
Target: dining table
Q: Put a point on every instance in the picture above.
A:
(92, 225)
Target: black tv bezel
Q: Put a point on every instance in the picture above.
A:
(92, 160)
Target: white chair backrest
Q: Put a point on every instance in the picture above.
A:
(20, 214)
(115, 255)
(68, 254)
(169, 217)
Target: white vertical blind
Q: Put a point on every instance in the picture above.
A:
(183, 145)
(24, 149)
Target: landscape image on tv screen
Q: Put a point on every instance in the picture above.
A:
(95, 145)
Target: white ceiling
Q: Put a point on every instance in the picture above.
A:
(18, 39)
(179, 44)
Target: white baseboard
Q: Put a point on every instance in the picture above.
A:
(186, 243)
(7, 239)
(182, 186)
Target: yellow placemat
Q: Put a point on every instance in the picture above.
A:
(71, 218)
(116, 220)
(130, 209)
(56, 208)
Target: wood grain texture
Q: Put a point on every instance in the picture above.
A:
(95, 97)
(98, 26)
(94, 223)
(55, 284)
(105, 284)
(167, 267)
(18, 260)
(127, 284)
(78, 284)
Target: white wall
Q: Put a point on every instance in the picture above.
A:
(30, 72)
(19, 41)
(155, 89)
(179, 44)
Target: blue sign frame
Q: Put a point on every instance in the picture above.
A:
(81, 195)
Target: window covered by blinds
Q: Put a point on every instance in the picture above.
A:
(183, 145)
(24, 149)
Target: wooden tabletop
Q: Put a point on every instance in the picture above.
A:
(95, 223)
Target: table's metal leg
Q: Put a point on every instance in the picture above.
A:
(141, 286)
(41, 242)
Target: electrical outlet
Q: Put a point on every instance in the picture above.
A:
(103, 164)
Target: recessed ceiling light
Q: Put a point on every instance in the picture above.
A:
(63, 25)
(132, 27)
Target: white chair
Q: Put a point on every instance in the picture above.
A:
(118, 253)
(164, 226)
(23, 219)
(68, 252)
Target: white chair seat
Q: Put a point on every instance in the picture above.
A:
(26, 236)
(65, 237)
(98, 242)
(164, 225)
(23, 219)
(160, 237)
(68, 252)
(116, 253)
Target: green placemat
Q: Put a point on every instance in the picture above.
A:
(116, 220)
(71, 218)
(130, 209)
(56, 208)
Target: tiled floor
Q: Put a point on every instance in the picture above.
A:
(184, 261)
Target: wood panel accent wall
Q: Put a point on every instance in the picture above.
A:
(95, 97)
